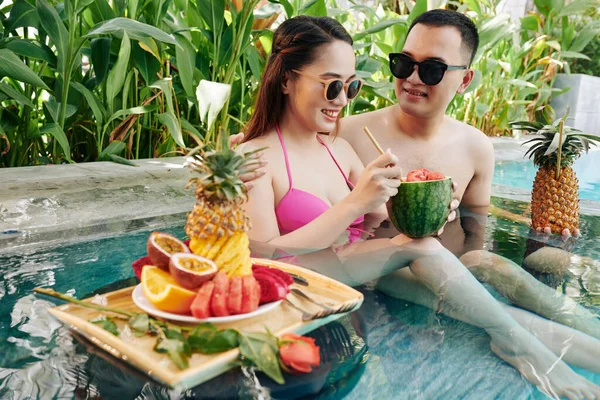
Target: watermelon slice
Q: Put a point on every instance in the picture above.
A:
(201, 305)
(234, 301)
(250, 294)
(218, 302)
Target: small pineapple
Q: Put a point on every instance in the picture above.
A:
(218, 225)
(555, 199)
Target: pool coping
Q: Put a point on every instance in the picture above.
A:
(55, 203)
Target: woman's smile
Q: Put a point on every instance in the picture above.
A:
(330, 114)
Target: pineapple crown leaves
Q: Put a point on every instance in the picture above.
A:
(218, 171)
(544, 149)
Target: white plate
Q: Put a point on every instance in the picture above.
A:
(142, 302)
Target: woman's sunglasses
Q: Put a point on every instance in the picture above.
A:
(431, 72)
(333, 87)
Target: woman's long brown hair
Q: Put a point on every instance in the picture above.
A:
(295, 44)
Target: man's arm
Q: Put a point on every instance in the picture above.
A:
(478, 192)
(468, 233)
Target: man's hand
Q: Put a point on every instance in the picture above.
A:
(453, 206)
(566, 233)
(247, 178)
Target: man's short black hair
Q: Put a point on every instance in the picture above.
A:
(466, 27)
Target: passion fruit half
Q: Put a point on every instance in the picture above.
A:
(190, 270)
(161, 246)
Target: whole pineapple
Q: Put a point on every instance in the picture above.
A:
(555, 199)
(218, 225)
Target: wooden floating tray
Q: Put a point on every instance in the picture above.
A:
(138, 351)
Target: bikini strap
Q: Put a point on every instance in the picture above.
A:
(335, 161)
(287, 162)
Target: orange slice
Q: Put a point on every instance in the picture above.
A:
(161, 290)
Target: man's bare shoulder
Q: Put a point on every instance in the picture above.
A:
(351, 127)
(479, 144)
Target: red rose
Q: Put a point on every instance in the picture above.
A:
(298, 354)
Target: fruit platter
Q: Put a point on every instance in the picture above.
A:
(176, 283)
(204, 305)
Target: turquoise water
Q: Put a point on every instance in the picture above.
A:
(521, 174)
(390, 348)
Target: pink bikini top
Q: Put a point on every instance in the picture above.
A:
(297, 208)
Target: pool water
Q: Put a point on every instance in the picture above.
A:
(521, 174)
(392, 349)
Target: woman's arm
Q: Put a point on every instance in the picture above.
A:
(320, 233)
(372, 190)
(356, 169)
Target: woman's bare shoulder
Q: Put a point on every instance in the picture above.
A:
(336, 142)
(263, 142)
(340, 147)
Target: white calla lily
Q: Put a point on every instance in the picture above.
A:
(211, 99)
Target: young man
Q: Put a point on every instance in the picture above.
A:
(431, 69)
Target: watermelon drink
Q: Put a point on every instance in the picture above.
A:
(422, 204)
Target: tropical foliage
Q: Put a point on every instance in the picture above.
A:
(148, 78)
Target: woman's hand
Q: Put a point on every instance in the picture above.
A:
(249, 177)
(378, 182)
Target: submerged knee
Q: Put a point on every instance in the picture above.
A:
(427, 246)
(484, 264)
(472, 258)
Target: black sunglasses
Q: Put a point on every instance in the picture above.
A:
(333, 87)
(431, 72)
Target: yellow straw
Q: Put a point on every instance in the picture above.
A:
(370, 135)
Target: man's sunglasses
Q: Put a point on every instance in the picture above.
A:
(431, 72)
(333, 87)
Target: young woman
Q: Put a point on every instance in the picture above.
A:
(315, 190)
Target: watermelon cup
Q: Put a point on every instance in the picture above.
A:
(421, 208)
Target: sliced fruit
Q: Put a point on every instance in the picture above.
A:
(234, 300)
(216, 247)
(272, 288)
(161, 246)
(229, 252)
(435, 176)
(201, 305)
(218, 302)
(250, 294)
(287, 278)
(255, 298)
(138, 264)
(190, 270)
(417, 175)
(161, 290)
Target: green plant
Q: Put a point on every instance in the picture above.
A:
(590, 66)
(143, 74)
(140, 95)
(516, 68)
